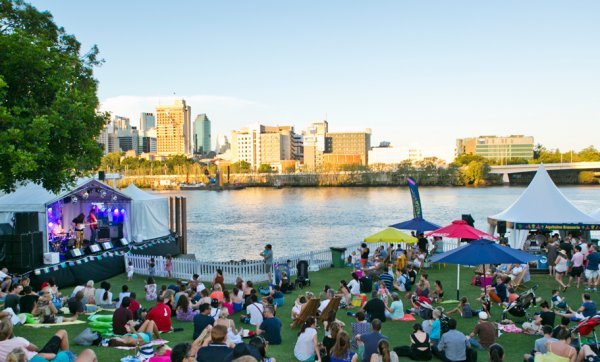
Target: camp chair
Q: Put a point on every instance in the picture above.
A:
(517, 282)
(334, 304)
(309, 310)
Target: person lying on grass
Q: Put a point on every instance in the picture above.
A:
(133, 337)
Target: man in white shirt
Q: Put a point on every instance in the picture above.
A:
(255, 310)
(323, 305)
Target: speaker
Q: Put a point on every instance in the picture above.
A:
(6, 229)
(101, 175)
(501, 227)
(123, 242)
(103, 232)
(94, 248)
(26, 222)
(107, 245)
(25, 251)
(469, 219)
(75, 253)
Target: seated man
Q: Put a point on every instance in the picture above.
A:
(217, 350)
(325, 303)
(587, 309)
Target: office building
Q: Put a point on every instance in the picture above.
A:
(174, 129)
(202, 135)
(313, 140)
(331, 150)
(497, 148)
(223, 144)
(147, 122)
(259, 144)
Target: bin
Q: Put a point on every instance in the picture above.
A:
(337, 257)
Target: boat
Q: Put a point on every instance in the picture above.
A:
(209, 187)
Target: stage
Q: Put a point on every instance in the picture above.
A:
(100, 266)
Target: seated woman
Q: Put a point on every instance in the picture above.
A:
(234, 336)
(46, 310)
(297, 308)
(344, 293)
(133, 338)
(57, 347)
(227, 302)
(438, 292)
(284, 283)
(560, 350)
(184, 309)
(217, 293)
(419, 349)
(463, 308)
(237, 299)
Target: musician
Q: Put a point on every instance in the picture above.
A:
(58, 230)
(79, 222)
(93, 222)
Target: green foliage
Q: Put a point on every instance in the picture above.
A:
(475, 173)
(265, 168)
(589, 154)
(48, 101)
(353, 168)
(465, 159)
(240, 167)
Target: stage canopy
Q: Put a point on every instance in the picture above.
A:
(113, 206)
(542, 206)
(596, 214)
(149, 214)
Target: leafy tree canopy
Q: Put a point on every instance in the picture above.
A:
(48, 101)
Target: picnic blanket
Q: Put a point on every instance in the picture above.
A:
(407, 318)
(48, 325)
(154, 342)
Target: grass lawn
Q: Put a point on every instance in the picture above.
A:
(398, 332)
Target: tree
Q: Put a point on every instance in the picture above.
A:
(475, 173)
(589, 154)
(264, 168)
(48, 101)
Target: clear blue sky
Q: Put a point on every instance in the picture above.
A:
(423, 72)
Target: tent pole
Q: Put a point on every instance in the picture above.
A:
(457, 281)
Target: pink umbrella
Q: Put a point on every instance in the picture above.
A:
(461, 230)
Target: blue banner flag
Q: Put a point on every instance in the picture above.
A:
(416, 200)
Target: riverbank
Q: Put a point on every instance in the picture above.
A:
(515, 344)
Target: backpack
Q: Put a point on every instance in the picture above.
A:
(407, 283)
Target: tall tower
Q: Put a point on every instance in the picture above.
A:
(202, 135)
(147, 121)
(173, 129)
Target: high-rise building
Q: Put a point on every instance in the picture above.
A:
(129, 139)
(314, 145)
(117, 133)
(174, 129)
(356, 144)
(223, 144)
(202, 134)
(497, 148)
(147, 122)
(260, 144)
(148, 141)
(332, 149)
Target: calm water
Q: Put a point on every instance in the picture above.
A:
(236, 224)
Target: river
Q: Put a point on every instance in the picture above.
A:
(234, 225)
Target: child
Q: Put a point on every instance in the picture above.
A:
(152, 268)
(436, 328)
(557, 301)
(169, 266)
(463, 308)
(150, 289)
(129, 271)
(383, 292)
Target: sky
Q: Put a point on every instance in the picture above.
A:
(418, 73)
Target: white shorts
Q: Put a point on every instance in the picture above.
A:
(591, 274)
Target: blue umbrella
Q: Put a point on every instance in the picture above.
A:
(482, 252)
(418, 224)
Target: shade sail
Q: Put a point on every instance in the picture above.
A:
(417, 224)
(391, 235)
(543, 205)
(461, 230)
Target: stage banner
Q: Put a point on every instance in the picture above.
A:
(416, 200)
(548, 226)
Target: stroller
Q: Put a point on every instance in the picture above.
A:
(426, 312)
(519, 307)
(302, 278)
(585, 327)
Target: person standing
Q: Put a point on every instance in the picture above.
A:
(79, 223)
(576, 266)
(267, 255)
(93, 223)
(552, 252)
(591, 270)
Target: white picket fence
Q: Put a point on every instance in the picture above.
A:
(254, 270)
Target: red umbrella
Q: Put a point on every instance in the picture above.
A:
(461, 230)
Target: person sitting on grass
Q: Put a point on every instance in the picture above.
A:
(75, 304)
(463, 308)
(184, 309)
(438, 292)
(57, 347)
(217, 349)
(47, 311)
(233, 335)
(122, 316)
(133, 337)
(560, 350)
(540, 343)
(587, 309)
(396, 310)
(161, 315)
(20, 355)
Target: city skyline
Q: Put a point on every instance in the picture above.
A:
(412, 73)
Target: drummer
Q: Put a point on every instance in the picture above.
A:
(58, 230)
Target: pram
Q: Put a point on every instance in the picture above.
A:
(426, 312)
(585, 327)
(519, 307)
(302, 278)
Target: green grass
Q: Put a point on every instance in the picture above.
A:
(398, 332)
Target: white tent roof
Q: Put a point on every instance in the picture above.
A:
(596, 214)
(542, 202)
(150, 216)
(32, 197)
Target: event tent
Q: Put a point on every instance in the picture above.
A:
(596, 214)
(33, 198)
(541, 206)
(149, 214)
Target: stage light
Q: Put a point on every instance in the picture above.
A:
(116, 211)
(103, 194)
(103, 209)
(50, 225)
(74, 199)
(85, 195)
(122, 211)
(109, 209)
(114, 198)
(49, 210)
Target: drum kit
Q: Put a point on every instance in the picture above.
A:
(62, 242)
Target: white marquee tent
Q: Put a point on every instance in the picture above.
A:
(596, 214)
(541, 205)
(150, 214)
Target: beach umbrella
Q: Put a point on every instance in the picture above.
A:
(390, 235)
(418, 224)
(459, 229)
(482, 252)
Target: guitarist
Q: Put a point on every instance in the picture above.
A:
(79, 222)
(93, 222)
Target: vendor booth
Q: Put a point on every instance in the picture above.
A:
(541, 206)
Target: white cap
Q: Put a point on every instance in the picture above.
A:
(483, 315)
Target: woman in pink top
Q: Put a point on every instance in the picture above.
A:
(576, 266)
